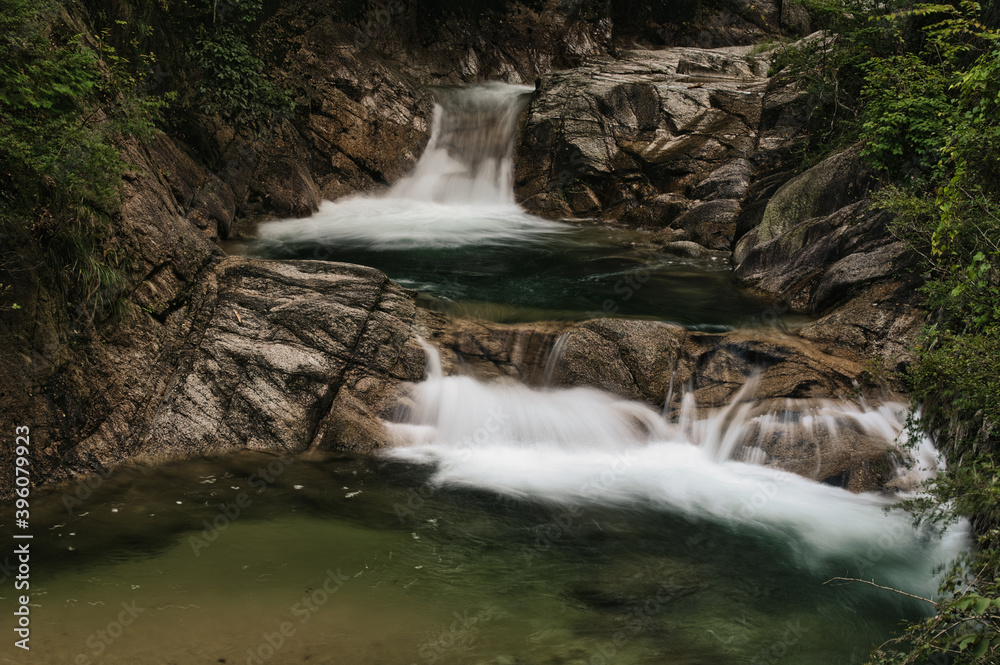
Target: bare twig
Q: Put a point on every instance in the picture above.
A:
(879, 586)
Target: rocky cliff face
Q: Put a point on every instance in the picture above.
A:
(652, 138)
(90, 390)
(362, 107)
(699, 147)
(225, 353)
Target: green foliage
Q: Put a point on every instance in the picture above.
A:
(64, 105)
(207, 55)
(907, 114)
(233, 84)
(232, 81)
(68, 100)
(919, 87)
(965, 627)
(832, 69)
(931, 126)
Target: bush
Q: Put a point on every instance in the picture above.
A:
(64, 107)
(924, 83)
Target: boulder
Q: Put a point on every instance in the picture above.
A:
(643, 359)
(729, 181)
(844, 457)
(795, 18)
(277, 356)
(643, 137)
(830, 185)
(822, 262)
(879, 326)
(287, 187)
(711, 224)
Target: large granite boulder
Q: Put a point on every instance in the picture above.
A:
(641, 137)
(820, 247)
(825, 188)
(279, 356)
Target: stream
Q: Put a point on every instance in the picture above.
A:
(513, 525)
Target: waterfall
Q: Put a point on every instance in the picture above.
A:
(460, 193)
(581, 445)
(469, 159)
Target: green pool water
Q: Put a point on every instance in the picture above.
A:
(584, 272)
(365, 562)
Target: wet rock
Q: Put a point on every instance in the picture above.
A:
(841, 456)
(691, 250)
(878, 326)
(643, 359)
(844, 266)
(280, 356)
(614, 137)
(213, 207)
(830, 185)
(288, 188)
(492, 350)
(711, 224)
(791, 265)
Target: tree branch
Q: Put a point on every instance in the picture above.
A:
(879, 586)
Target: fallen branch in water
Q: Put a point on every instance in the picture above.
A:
(879, 586)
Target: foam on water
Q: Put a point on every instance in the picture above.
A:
(460, 192)
(580, 445)
(400, 224)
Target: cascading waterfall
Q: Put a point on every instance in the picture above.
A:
(581, 445)
(453, 231)
(469, 158)
(460, 193)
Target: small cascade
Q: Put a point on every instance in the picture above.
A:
(451, 409)
(469, 159)
(577, 445)
(463, 413)
(750, 429)
(553, 360)
(461, 191)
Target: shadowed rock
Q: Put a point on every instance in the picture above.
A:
(613, 137)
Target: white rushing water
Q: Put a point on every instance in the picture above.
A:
(469, 158)
(460, 193)
(581, 445)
